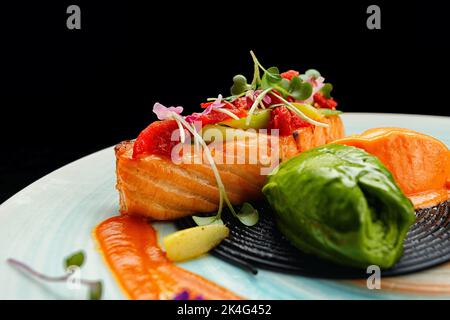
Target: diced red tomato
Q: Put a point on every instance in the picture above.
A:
(205, 105)
(217, 116)
(280, 118)
(297, 122)
(324, 102)
(241, 103)
(156, 139)
(290, 74)
(284, 120)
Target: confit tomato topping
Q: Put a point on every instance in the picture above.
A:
(241, 103)
(156, 139)
(284, 120)
(216, 116)
(290, 74)
(324, 102)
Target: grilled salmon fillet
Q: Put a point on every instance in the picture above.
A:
(156, 187)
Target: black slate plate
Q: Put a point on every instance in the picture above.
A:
(263, 246)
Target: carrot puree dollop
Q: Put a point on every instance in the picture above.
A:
(130, 247)
(419, 163)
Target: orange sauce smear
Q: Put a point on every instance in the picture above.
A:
(130, 248)
(419, 163)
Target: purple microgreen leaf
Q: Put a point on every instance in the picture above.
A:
(164, 113)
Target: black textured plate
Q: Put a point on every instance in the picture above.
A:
(427, 244)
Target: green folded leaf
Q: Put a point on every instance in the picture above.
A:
(342, 204)
(76, 259)
(248, 215)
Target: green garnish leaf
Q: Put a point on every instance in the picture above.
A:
(240, 85)
(312, 73)
(329, 112)
(300, 90)
(326, 90)
(95, 290)
(270, 78)
(272, 75)
(248, 215)
(203, 221)
(285, 83)
(76, 259)
(273, 79)
(256, 82)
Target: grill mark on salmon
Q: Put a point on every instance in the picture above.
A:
(163, 191)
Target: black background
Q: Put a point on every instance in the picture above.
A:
(67, 93)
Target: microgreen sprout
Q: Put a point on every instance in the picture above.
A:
(255, 104)
(300, 88)
(74, 260)
(240, 85)
(223, 197)
(245, 217)
(326, 90)
(182, 134)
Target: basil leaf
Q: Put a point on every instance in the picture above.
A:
(76, 259)
(329, 112)
(95, 290)
(203, 221)
(248, 215)
(326, 90)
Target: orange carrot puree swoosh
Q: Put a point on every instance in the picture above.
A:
(419, 163)
(130, 248)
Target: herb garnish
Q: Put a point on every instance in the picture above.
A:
(299, 88)
(74, 260)
(296, 93)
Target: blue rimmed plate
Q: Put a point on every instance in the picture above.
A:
(55, 215)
